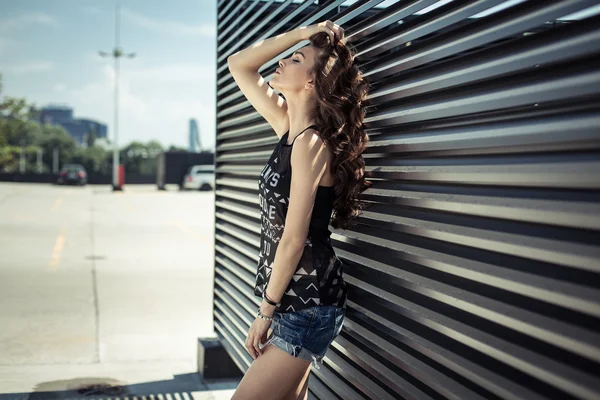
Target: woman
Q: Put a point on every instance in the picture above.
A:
(299, 276)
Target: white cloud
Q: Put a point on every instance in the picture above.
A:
(155, 101)
(149, 108)
(27, 67)
(26, 21)
(93, 93)
(174, 73)
(22, 22)
(169, 27)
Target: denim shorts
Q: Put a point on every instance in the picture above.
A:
(307, 333)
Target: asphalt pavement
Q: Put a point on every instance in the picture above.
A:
(104, 288)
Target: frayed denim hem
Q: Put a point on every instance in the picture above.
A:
(294, 350)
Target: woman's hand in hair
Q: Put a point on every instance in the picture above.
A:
(334, 31)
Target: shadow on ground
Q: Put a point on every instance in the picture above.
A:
(180, 387)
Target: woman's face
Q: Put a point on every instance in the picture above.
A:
(292, 75)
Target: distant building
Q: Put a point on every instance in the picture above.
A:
(77, 128)
(194, 144)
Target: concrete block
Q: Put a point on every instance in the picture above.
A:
(214, 362)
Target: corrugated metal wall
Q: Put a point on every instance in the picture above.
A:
(474, 274)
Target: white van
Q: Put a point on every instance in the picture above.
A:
(199, 177)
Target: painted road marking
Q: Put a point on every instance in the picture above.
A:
(189, 231)
(57, 204)
(22, 217)
(58, 248)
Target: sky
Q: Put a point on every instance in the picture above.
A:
(49, 55)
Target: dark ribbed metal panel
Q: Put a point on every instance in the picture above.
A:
(474, 272)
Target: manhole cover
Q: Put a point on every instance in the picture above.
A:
(95, 258)
(96, 389)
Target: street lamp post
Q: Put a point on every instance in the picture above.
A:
(117, 53)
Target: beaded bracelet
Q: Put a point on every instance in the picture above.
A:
(259, 314)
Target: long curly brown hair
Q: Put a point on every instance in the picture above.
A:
(341, 103)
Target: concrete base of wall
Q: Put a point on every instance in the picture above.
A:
(214, 362)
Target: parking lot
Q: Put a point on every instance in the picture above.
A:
(102, 286)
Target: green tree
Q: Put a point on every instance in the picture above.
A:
(56, 137)
(19, 132)
(90, 137)
(176, 148)
(132, 156)
(17, 121)
(140, 158)
(93, 158)
(154, 147)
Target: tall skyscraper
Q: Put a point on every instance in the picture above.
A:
(195, 145)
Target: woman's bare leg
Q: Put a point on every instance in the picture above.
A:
(273, 375)
(301, 391)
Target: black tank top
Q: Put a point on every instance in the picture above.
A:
(318, 279)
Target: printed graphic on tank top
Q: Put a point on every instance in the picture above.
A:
(318, 278)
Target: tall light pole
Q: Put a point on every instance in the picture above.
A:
(117, 52)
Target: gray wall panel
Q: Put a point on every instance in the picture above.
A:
(474, 272)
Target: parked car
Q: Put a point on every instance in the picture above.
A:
(72, 173)
(199, 177)
(171, 166)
